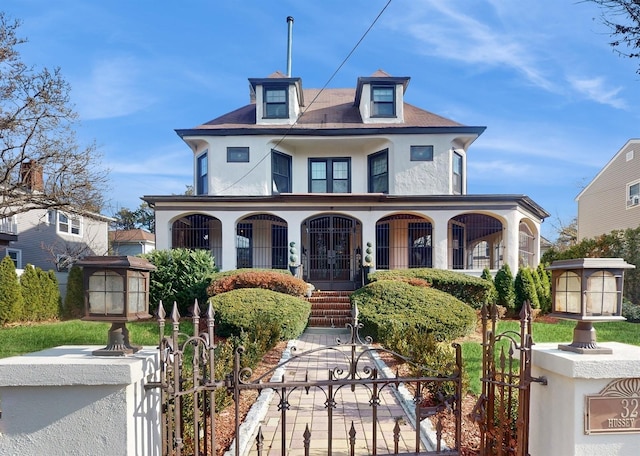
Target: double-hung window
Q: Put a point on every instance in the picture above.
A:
(379, 172)
(202, 173)
(633, 194)
(15, 255)
(69, 224)
(280, 172)
(457, 173)
(275, 103)
(383, 101)
(330, 175)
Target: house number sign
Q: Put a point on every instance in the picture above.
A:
(615, 410)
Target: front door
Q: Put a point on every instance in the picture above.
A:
(330, 246)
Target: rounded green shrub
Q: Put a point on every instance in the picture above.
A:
(252, 309)
(387, 308)
(504, 287)
(473, 291)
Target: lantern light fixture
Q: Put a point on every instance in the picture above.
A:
(116, 290)
(587, 290)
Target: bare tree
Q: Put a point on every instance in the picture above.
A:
(41, 163)
(623, 19)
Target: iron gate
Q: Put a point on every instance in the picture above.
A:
(192, 395)
(502, 410)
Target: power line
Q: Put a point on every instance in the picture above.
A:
(344, 61)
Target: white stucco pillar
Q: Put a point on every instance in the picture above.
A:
(228, 260)
(558, 410)
(66, 401)
(440, 239)
(512, 241)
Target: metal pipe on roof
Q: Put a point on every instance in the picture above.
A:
(289, 40)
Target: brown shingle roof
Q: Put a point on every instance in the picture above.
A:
(137, 235)
(331, 108)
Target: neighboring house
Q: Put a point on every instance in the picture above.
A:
(131, 242)
(611, 201)
(334, 170)
(51, 238)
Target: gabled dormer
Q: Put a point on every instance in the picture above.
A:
(380, 98)
(278, 99)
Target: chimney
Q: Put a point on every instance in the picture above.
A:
(290, 38)
(31, 176)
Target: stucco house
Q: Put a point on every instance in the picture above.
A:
(335, 171)
(611, 201)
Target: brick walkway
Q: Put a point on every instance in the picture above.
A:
(309, 409)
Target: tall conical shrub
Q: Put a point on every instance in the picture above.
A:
(504, 287)
(493, 294)
(11, 302)
(74, 298)
(545, 286)
(32, 294)
(525, 289)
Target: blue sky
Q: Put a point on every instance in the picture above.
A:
(557, 102)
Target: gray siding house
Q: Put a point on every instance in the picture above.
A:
(611, 201)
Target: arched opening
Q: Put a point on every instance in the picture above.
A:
(261, 242)
(475, 242)
(198, 231)
(404, 241)
(526, 246)
(332, 252)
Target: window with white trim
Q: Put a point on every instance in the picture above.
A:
(633, 195)
(65, 223)
(15, 255)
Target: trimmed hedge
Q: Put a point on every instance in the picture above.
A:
(387, 308)
(250, 309)
(267, 279)
(474, 291)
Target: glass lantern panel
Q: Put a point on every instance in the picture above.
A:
(106, 293)
(567, 295)
(137, 292)
(602, 294)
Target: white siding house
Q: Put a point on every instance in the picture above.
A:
(611, 201)
(337, 171)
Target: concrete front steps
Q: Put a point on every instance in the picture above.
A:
(330, 309)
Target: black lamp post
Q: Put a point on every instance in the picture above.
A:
(116, 290)
(587, 290)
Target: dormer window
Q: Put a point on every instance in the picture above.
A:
(383, 102)
(275, 103)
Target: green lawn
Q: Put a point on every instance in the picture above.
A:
(26, 339)
(561, 332)
(19, 340)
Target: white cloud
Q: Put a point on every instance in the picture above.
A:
(445, 32)
(595, 89)
(113, 89)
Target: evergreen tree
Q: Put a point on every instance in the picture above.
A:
(493, 294)
(545, 286)
(11, 303)
(32, 295)
(504, 287)
(74, 299)
(525, 289)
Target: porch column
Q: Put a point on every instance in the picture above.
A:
(440, 239)
(228, 260)
(512, 240)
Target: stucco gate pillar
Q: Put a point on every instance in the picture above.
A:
(65, 401)
(590, 405)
